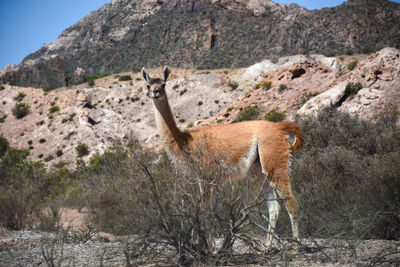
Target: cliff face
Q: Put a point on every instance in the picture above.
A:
(128, 34)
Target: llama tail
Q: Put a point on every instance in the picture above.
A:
(294, 128)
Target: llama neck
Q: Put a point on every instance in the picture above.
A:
(174, 138)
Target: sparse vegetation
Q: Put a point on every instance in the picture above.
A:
(307, 97)
(233, 85)
(351, 65)
(190, 125)
(249, 113)
(20, 97)
(54, 109)
(82, 150)
(4, 146)
(3, 118)
(49, 158)
(352, 89)
(20, 110)
(59, 153)
(125, 78)
(2, 87)
(68, 137)
(274, 116)
(181, 92)
(267, 85)
(282, 88)
(91, 77)
(42, 140)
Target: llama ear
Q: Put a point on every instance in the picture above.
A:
(146, 76)
(165, 74)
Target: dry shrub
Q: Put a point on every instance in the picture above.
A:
(347, 177)
(134, 191)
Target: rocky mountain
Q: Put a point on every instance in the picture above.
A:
(113, 111)
(128, 34)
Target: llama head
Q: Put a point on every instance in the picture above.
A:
(156, 86)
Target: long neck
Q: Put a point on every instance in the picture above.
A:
(174, 138)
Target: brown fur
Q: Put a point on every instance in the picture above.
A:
(261, 144)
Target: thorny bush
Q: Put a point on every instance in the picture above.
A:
(134, 191)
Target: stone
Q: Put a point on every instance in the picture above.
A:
(326, 99)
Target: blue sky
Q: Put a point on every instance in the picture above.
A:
(26, 25)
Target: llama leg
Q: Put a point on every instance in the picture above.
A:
(207, 192)
(273, 213)
(291, 206)
(272, 202)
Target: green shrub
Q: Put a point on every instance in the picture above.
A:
(54, 109)
(59, 153)
(352, 64)
(82, 150)
(264, 85)
(4, 146)
(49, 158)
(23, 190)
(249, 113)
(267, 85)
(89, 78)
(20, 97)
(125, 78)
(274, 116)
(352, 89)
(20, 110)
(233, 85)
(42, 140)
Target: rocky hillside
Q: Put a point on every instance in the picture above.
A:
(128, 34)
(112, 110)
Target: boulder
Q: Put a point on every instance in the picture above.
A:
(326, 99)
